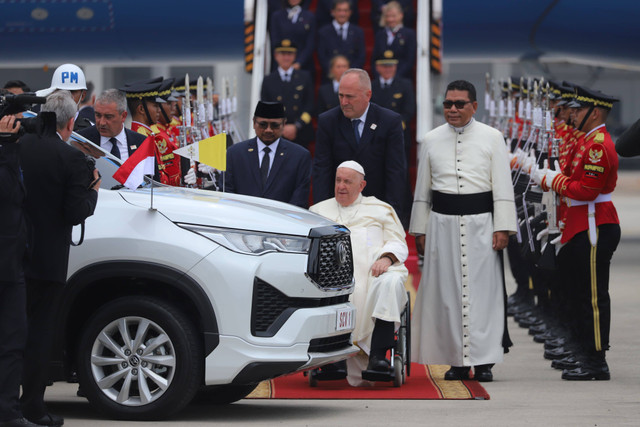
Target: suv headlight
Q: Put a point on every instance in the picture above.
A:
(252, 242)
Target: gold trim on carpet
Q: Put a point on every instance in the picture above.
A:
(263, 391)
(448, 389)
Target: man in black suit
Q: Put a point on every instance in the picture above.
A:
(294, 89)
(268, 165)
(61, 192)
(109, 131)
(340, 37)
(397, 94)
(13, 245)
(365, 132)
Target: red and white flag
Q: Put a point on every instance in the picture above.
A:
(140, 163)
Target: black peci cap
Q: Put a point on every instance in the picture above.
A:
(269, 110)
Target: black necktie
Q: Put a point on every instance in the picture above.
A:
(356, 130)
(114, 147)
(264, 166)
(286, 77)
(341, 32)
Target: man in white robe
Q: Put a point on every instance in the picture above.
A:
(463, 213)
(379, 252)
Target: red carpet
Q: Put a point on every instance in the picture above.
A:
(425, 382)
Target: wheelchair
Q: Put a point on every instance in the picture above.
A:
(400, 358)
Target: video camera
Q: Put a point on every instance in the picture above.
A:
(44, 123)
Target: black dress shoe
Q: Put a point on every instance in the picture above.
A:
(378, 365)
(586, 373)
(557, 353)
(47, 420)
(537, 329)
(18, 422)
(457, 373)
(482, 373)
(569, 362)
(554, 343)
(544, 336)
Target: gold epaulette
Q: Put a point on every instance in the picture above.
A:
(598, 138)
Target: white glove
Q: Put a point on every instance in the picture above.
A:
(528, 163)
(543, 233)
(556, 240)
(190, 177)
(537, 174)
(550, 175)
(520, 156)
(206, 169)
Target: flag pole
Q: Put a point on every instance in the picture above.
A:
(151, 208)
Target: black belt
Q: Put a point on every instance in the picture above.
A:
(461, 204)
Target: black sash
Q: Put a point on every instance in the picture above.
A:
(461, 204)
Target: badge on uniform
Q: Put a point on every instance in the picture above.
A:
(595, 155)
(373, 126)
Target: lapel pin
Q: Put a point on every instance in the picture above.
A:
(373, 126)
(133, 147)
(250, 149)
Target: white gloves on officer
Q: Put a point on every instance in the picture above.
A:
(206, 169)
(537, 174)
(529, 162)
(190, 177)
(545, 176)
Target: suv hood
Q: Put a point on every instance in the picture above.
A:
(226, 210)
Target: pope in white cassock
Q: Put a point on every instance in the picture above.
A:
(379, 252)
(463, 213)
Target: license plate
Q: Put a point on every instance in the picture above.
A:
(345, 318)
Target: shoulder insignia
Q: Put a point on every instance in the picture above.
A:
(595, 154)
(397, 95)
(599, 138)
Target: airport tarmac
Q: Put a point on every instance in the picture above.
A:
(526, 390)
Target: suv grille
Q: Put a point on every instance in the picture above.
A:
(324, 345)
(330, 259)
(271, 308)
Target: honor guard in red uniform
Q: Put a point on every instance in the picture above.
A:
(144, 104)
(590, 236)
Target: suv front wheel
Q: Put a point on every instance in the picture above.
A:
(139, 358)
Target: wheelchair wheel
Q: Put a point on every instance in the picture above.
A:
(398, 370)
(407, 323)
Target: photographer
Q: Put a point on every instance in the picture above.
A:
(61, 192)
(13, 244)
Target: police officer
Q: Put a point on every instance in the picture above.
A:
(69, 77)
(294, 89)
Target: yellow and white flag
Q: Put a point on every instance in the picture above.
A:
(211, 151)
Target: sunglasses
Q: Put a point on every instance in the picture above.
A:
(459, 104)
(274, 125)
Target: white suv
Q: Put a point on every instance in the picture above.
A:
(205, 291)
